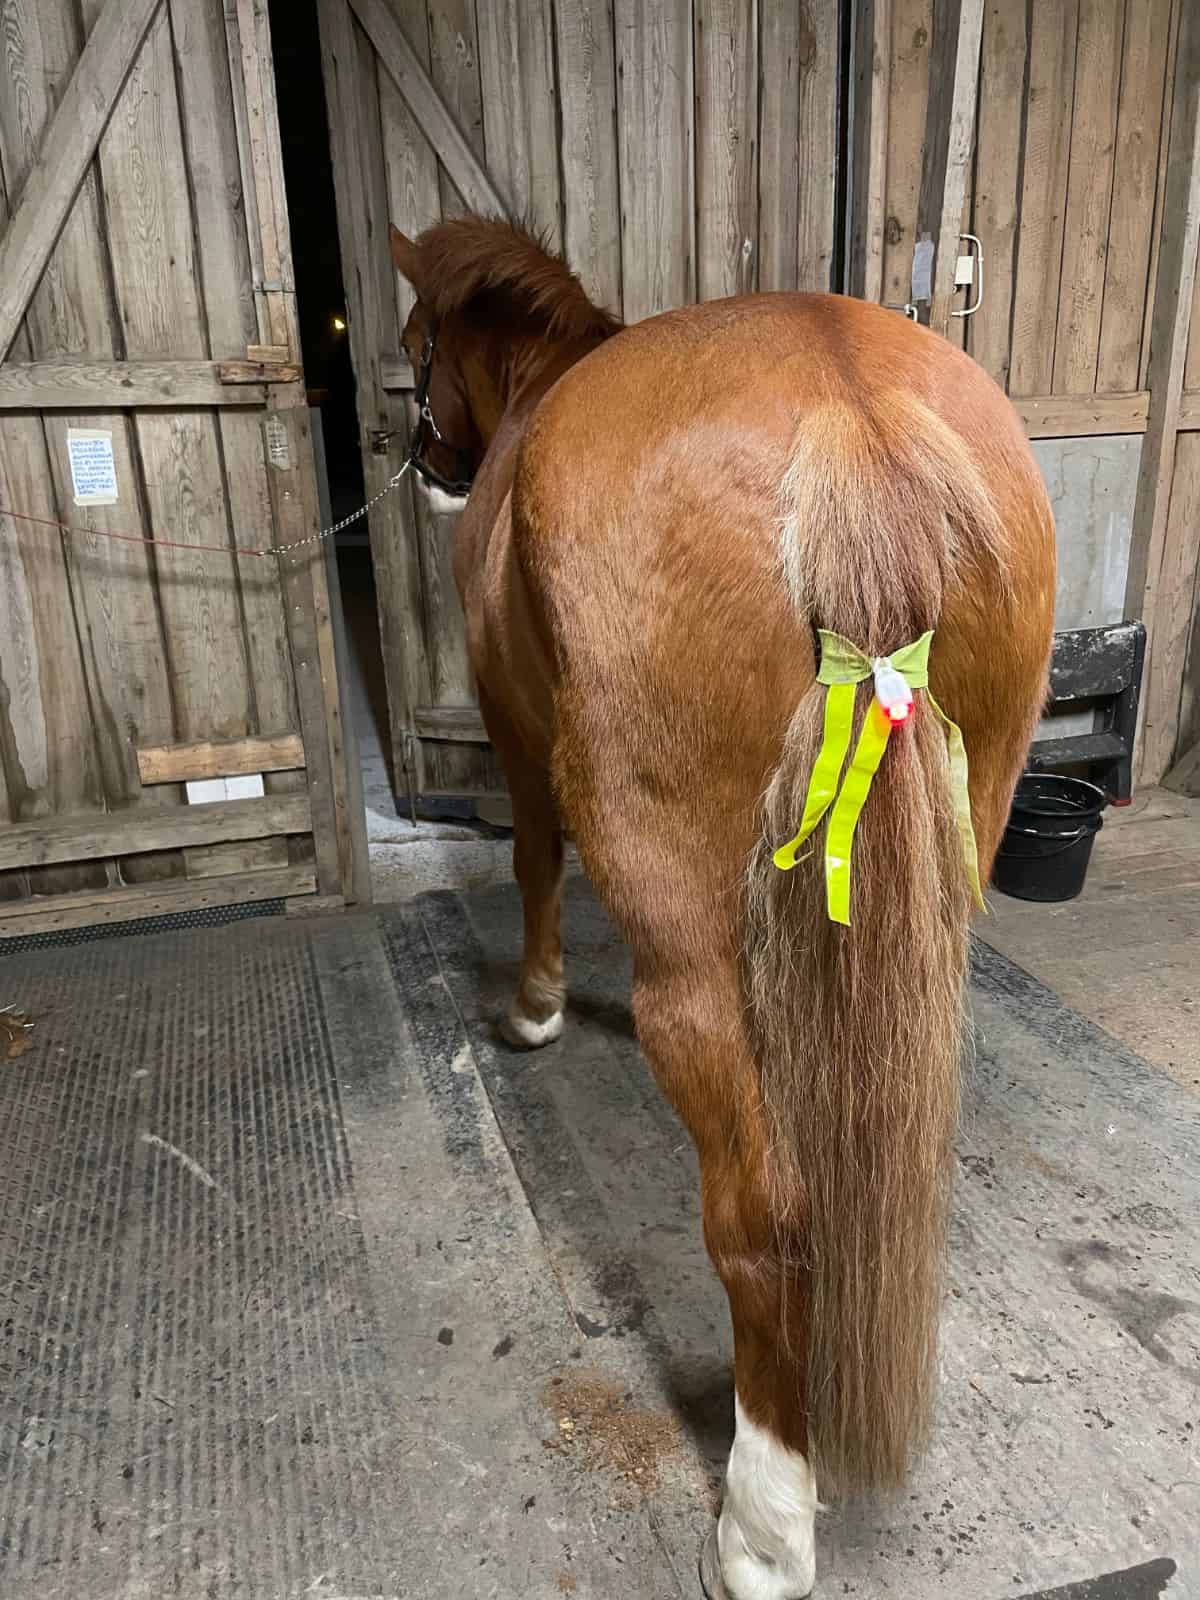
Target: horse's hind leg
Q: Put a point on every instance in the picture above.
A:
(535, 1016)
(689, 1017)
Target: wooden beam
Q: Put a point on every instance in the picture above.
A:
(1184, 776)
(52, 913)
(65, 384)
(295, 502)
(185, 763)
(67, 146)
(469, 175)
(872, 73)
(1159, 563)
(396, 373)
(949, 141)
(458, 724)
(1189, 411)
(234, 372)
(143, 828)
(1074, 416)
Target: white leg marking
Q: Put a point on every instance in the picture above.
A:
(523, 1031)
(765, 1538)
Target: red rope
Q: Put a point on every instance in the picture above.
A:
(133, 538)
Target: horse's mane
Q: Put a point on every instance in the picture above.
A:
(458, 260)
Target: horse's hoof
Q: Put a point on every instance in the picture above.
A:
(711, 1580)
(528, 1034)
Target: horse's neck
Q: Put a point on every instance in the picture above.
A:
(507, 389)
(524, 384)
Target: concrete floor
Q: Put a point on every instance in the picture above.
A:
(1126, 953)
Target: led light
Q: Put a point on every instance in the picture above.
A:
(339, 324)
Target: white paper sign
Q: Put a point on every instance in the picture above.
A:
(93, 470)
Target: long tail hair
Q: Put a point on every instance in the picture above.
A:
(858, 1030)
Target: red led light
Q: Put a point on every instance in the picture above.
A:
(900, 713)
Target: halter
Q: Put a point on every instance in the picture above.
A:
(425, 419)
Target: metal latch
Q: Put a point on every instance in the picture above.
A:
(965, 275)
(380, 438)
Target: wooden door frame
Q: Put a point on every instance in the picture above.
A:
(269, 377)
(426, 738)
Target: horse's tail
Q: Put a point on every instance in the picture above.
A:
(858, 1028)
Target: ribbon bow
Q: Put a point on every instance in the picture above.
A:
(844, 666)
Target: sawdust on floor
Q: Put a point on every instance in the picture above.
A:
(597, 1425)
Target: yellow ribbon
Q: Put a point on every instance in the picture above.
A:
(843, 667)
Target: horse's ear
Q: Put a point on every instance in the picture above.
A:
(404, 254)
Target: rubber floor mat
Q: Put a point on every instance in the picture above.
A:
(189, 1389)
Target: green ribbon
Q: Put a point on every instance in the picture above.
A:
(843, 667)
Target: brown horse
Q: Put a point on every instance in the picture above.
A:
(661, 517)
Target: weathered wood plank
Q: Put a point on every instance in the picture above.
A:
(1174, 616)
(47, 749)
(654, 113)
(817, 137)
(153, 241)
(868, 168)
(1163, 550)
(453, 61)
(784, 32)
(520, 117)
(410, 173)
(73, 384)
(1135, 173)
(79, 838)
(1070, 416)
(420, 606)
(949, 143)
(185, 763)
(471, 178)
(1089, 194)
(295, 500)
(588, 146)
(1052, 33)
(214, 171)
(250, 30)
(396, 372)
(354, 115)
(216, 165)
(258, 372)
(52, 913)
(726, 137)
(997, 177)
(908, 97)
(356, 862)
(66, 147)
(457, 724)
(72, 313)
(1160, 188)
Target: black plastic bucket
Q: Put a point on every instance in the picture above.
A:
(1047, 844)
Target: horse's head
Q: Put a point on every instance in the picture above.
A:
(493, 306)
(448, 446)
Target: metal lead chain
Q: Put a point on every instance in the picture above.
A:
(336, 527)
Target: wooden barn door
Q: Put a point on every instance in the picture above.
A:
(674, 149)
(151, 397)
(1064, 136)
